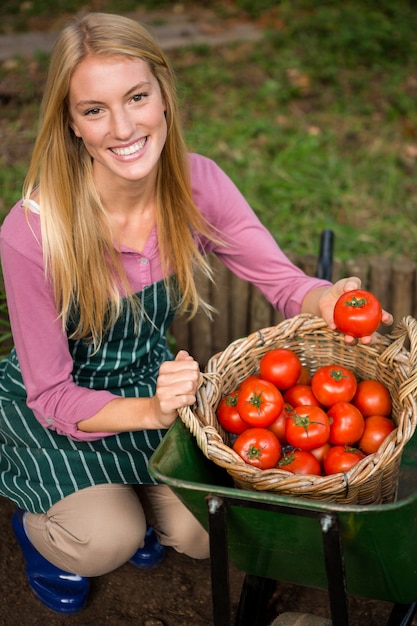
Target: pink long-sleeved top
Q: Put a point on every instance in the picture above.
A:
(42, 347)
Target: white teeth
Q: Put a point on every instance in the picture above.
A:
(131, 149)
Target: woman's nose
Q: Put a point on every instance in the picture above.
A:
(123, 125)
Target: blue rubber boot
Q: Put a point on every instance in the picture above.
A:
(58, 590)
(152, 553)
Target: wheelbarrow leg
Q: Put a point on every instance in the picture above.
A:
(219, 562)
(335, 569)
(402, 614)
(256, 590)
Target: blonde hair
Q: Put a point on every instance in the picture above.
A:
(80, 259)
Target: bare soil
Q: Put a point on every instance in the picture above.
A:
(177, 593)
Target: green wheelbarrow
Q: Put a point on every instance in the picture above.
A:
(367, 551)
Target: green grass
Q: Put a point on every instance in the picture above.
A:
(22, 15)
(316, 123)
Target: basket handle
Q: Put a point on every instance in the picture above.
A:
(405, 331)
(209, 389)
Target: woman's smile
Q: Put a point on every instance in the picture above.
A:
(132, 150)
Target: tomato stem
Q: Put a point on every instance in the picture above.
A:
(337, 375)
(254, 452)
(356, 303)
(304, 421)
(231, 400)
(256, 400)
(286, 459)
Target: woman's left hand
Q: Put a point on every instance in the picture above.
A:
(329, 298)
(176, 387)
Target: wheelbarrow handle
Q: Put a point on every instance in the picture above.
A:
(325, 261)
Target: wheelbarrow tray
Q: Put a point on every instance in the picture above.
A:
(379, 541)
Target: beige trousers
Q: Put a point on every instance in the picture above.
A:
(95, 530)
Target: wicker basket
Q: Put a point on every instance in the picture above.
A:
(392, 360)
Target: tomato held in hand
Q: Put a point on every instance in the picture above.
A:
(357, 313)
(372, 398)
(281, 367)
(377, 428)
(258, 447)
(333, 383)
(307, 428)
(259, 403)
(341, 459)
(228, 415)
(300, 462)
(301, 395)
(346, 423)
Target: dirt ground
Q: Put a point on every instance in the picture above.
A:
(177, 593)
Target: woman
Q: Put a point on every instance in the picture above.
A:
(97, 258)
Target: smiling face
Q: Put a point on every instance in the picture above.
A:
(117, 109)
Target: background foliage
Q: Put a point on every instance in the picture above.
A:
(316, 123)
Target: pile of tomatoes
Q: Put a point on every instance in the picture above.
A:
(322, 423)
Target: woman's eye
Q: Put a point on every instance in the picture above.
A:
(138, 97)
(93, 111)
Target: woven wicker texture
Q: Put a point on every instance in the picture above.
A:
(391, 360)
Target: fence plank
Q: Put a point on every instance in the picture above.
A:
(201, 346)
(358, 267)
(239, 296)
(380, 279)
(308, 263)
(220, 325)
(337, 270)
(261, 311)
(403, 275)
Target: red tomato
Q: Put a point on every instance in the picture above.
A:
(333, 383)
(259, 403)
(377, 428)
(341, 459)
(307, 428)
(357, 313)
(278, 425)
(300, 462)
(228, 415)
(281, 367)
(305, 376)
(320, 453)
(248, 379)
(346, 423)
(372, 398)
(258, 447)
(301, 395)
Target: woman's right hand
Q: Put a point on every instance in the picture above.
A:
(176, 386)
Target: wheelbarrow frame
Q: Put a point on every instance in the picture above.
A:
(256, 588)
(368, 551)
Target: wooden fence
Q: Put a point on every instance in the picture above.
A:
(242, 309)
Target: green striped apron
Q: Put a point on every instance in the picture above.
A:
(38, 467)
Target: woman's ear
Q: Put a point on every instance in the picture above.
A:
(74, 129)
